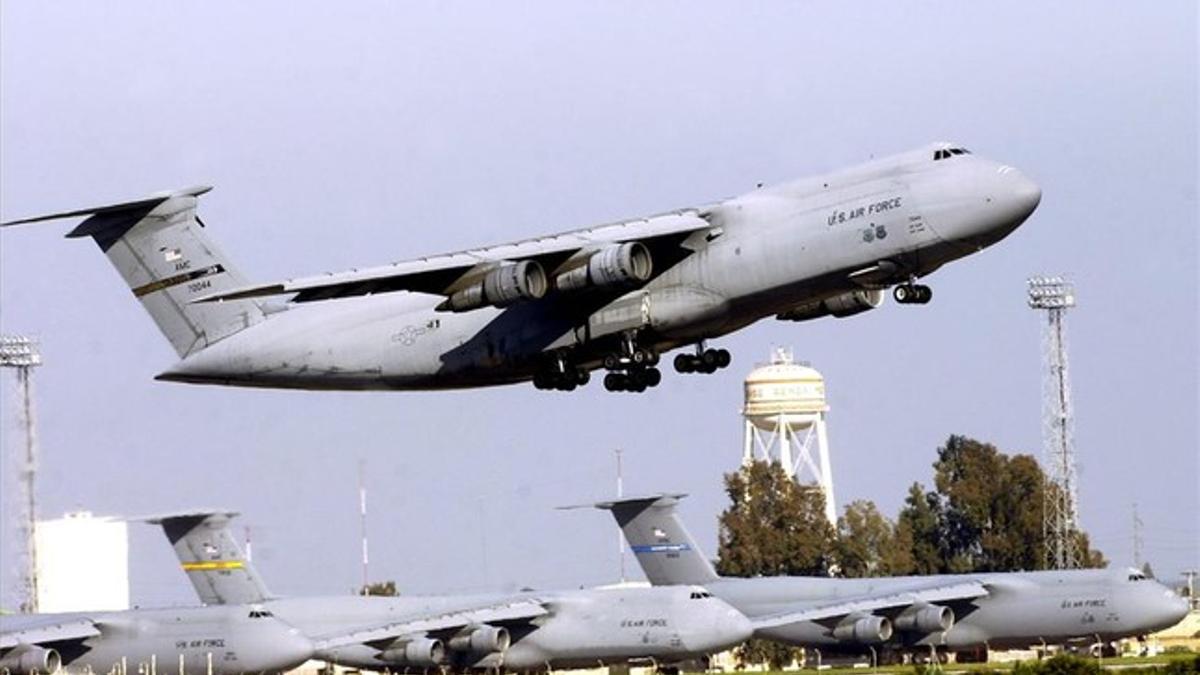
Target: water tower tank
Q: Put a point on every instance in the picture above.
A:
(783, 387)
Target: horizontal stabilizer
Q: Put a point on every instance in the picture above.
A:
(147, 203)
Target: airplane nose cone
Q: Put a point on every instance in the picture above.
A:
(293, 649)
(1175, 609)
(735, 626)
(1024, 195)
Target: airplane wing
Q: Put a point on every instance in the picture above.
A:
(444, 274)
(36, 630)
(866, 604)
(508, 612)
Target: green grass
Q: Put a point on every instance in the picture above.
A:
(1129, 664)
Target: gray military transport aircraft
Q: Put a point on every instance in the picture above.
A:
(217, 640)
(959, 612)
(554, 308)
(526, 631)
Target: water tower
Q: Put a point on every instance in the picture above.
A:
(785, 423)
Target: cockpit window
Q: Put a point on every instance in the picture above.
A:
(949, 152)
(260, 614)
(1137, 576)
(700, 595)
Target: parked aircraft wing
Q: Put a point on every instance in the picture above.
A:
(520, 610)
(36, 630)
(918, 593)
(444, 274)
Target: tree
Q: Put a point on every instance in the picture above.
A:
(772, 527)
(869, 545)
(985, 514)
(387, 588)
(921, 519)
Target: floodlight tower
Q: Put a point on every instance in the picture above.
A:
(1054, 296)
(21, 353)
(785, 423)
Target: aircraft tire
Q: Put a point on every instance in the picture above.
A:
(724, 358)
(611, 362)
(710, 359)
(653, 377)
(902, 294)
(684, 363)
(924, 294)
(582, 376)
(614, 382)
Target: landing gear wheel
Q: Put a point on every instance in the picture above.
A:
(924, 294)
(614, 382)
(611, 362)
(903, 294)
(724, 358)
(710, 359)
(582, 377)
(685, 363)
(653, 377)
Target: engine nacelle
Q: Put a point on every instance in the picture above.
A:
(421, 652)
(28, 659)
(845, 304)
(482, 640)
(865, 630)
(501, 287)
(612, 266)
(925, 619)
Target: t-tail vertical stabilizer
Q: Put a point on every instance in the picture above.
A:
(161, 250)
(211, 557)
(656, 535)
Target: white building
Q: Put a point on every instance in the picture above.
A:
(82, 564)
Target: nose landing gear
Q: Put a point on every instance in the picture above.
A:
(912, 294)
(561, 374)
(703, 361)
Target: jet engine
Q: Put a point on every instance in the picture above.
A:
(482, 640)
(501, 287)
(420, 652)
(612, 266)
(925, 619)
(27, 659)
(864, 629)
(845, 304)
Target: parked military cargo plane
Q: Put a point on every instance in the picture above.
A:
(554, 308)
(218, 640)
(950, 611)
(527, 631)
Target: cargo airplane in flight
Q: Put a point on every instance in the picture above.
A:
(554, 308)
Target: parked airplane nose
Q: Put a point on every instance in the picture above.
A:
(734, 626)
(288, 650)
(1172, 608)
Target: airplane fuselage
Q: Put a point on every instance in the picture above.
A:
(584, 628)
(223, 640)
(776, 251)
(1020, 610)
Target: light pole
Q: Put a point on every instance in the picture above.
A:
(21, 353)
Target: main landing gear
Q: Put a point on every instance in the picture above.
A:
(561, 374)
(632, 369)
(703, 361)
(912, 294)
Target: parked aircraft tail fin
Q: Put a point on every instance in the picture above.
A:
(160, 249)
(656, 535)
(212, 558)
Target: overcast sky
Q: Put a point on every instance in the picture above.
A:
(341, 135)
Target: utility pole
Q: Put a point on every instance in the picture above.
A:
(1060, 525)
(362, 522)
(620, 494)
(21, 353)
(1137, 538)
